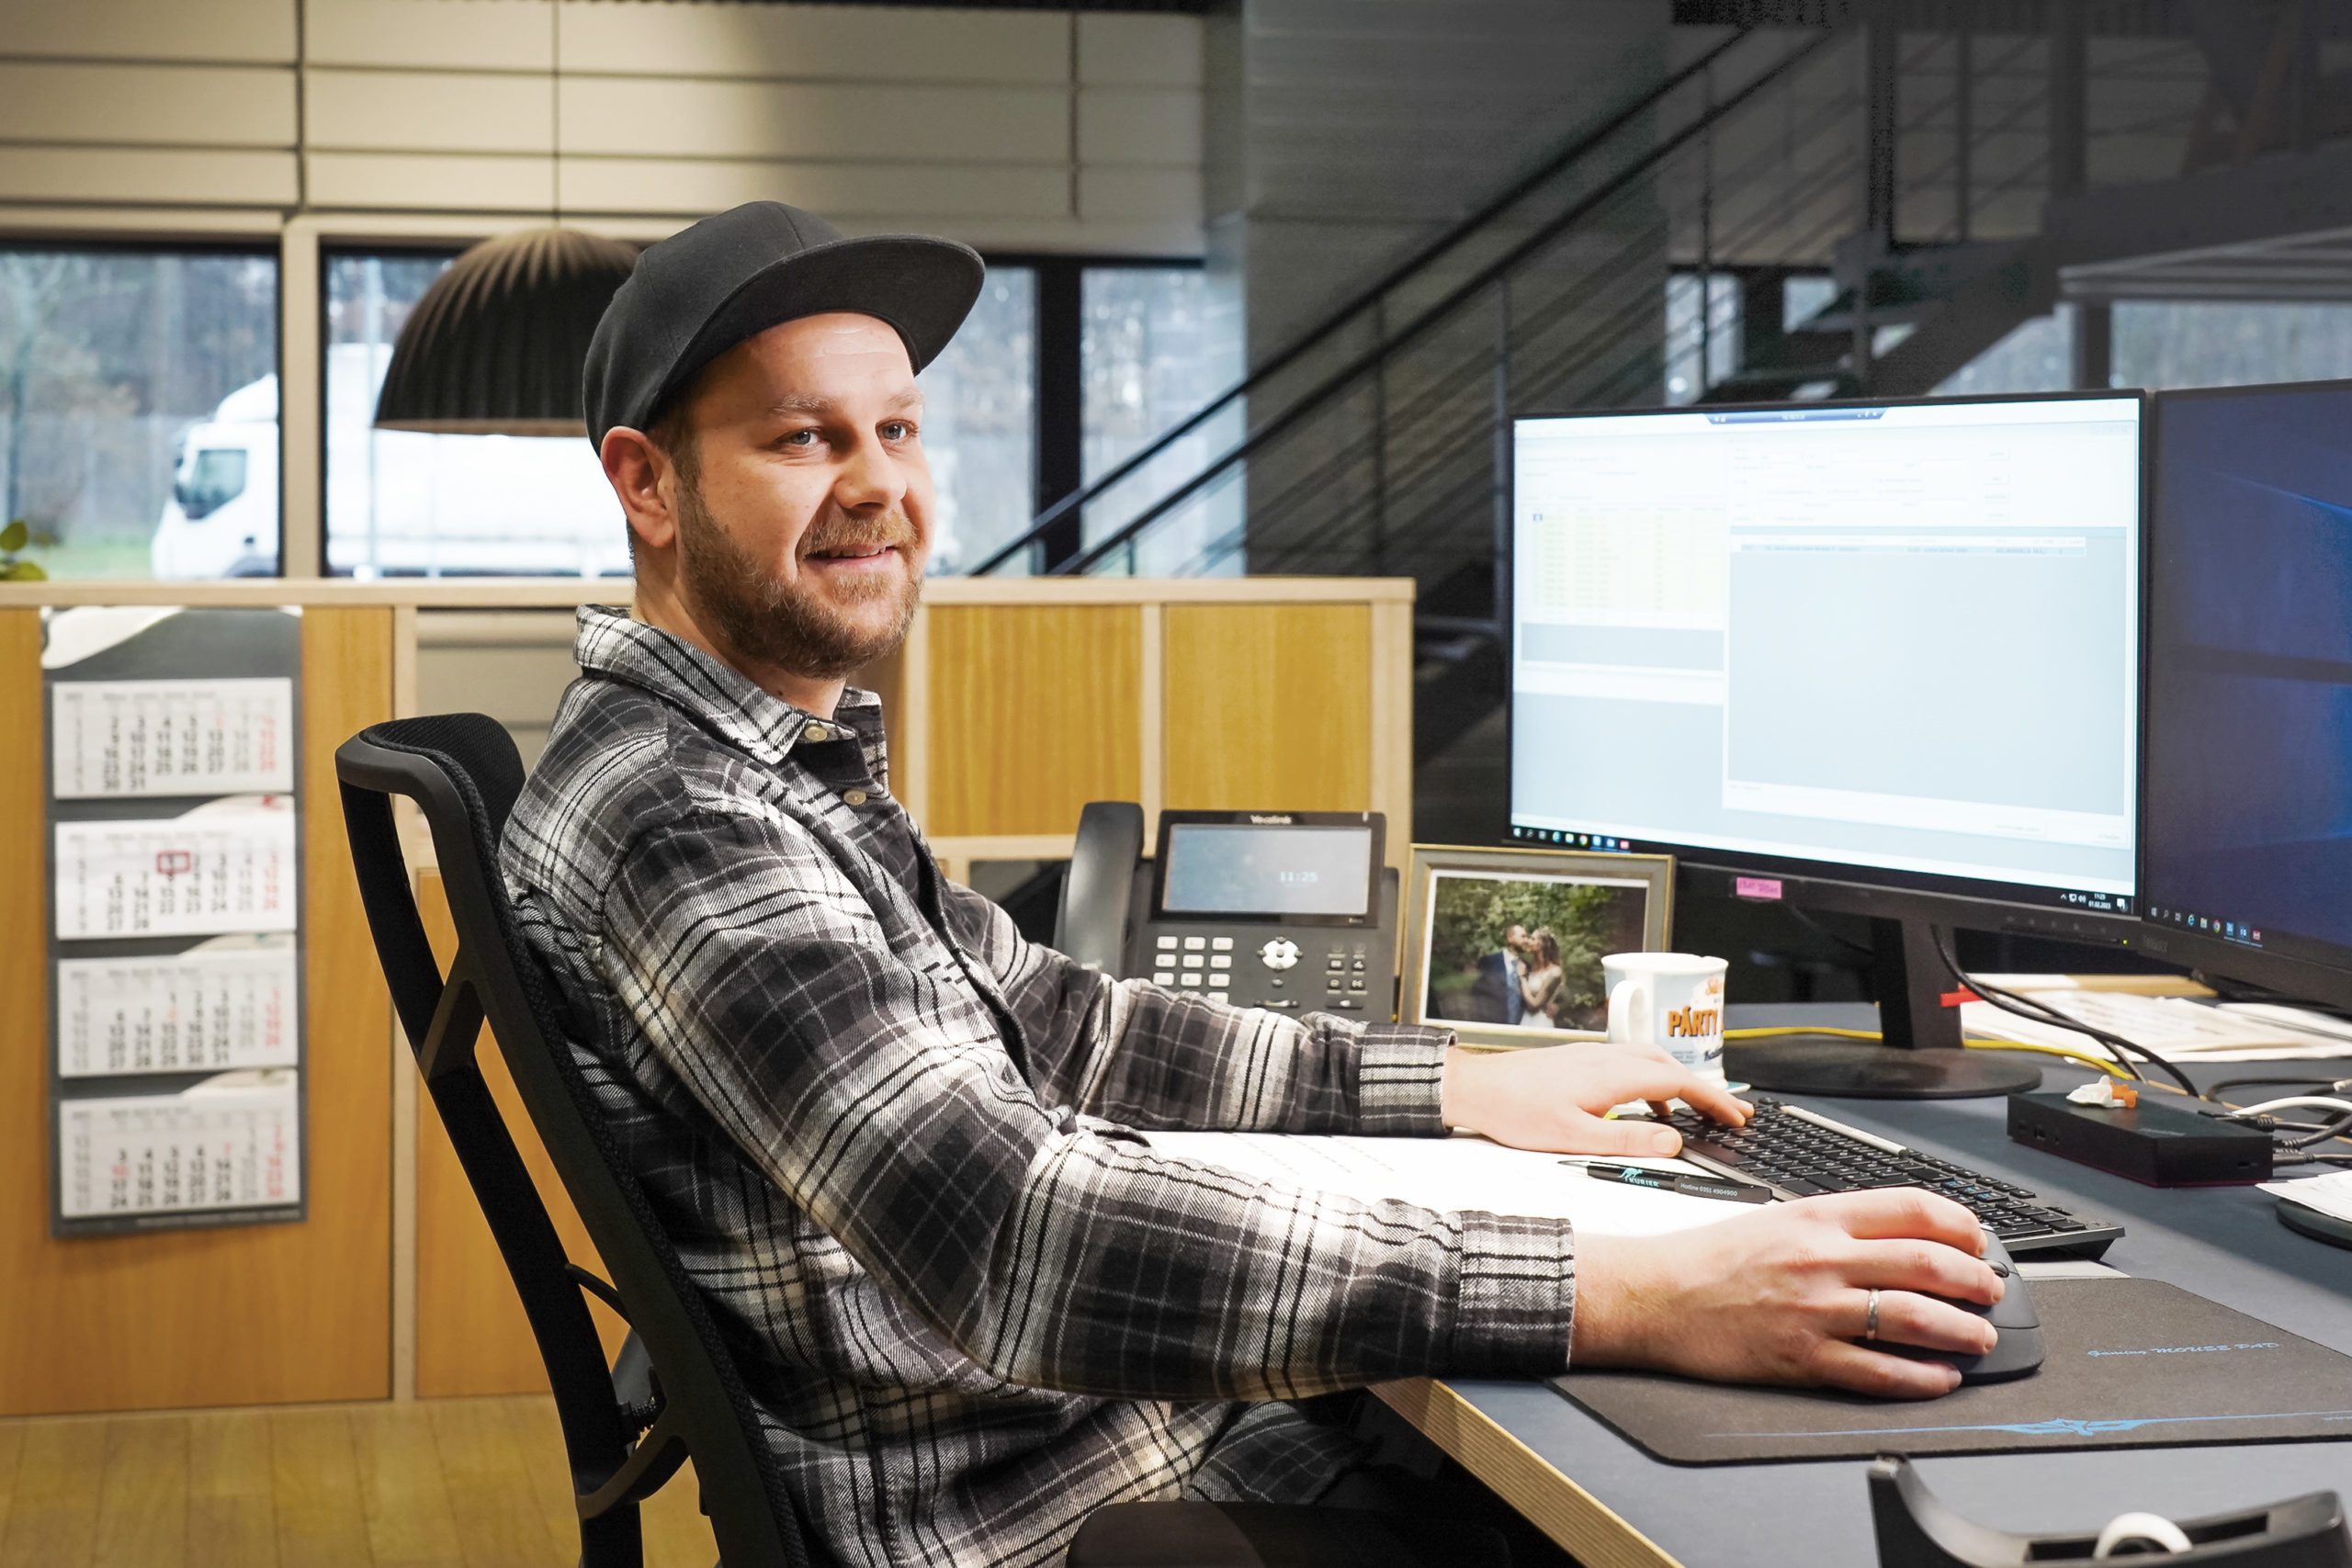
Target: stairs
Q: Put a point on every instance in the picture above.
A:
(1941, 306)
(1378, 442)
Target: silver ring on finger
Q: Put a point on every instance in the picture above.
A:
(1869, 1317)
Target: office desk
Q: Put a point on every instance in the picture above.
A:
(1612, 1505)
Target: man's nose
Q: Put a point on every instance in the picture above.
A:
(869, 478)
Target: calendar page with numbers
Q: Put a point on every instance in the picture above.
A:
(227, 866)
(231, 1144)
(130, 739)
(175, 917)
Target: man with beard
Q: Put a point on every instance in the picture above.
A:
(888, 1136)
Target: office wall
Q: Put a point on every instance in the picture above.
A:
(1343, 133)
(248, 1314)
(1357, 129)
(1789, 165)
(1011, 130)
(510, 665)
(1202, 693)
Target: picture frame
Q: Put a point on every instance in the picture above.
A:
(1464, 965)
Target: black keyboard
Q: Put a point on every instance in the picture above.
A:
(1800, 1153)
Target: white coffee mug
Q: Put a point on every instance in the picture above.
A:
(1674, 999)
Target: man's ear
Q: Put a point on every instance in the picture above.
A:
(636, 469)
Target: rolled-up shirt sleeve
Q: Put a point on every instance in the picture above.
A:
(1051, 1254)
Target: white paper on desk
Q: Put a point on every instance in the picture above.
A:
(2330, 1195)
(225, 866)
(225, 1003)
(2170, 1026)
(230, 1143)
(2324, 1025)
(1450, 1175)
(114, 739)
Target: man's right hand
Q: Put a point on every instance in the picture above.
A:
(1781, 1295)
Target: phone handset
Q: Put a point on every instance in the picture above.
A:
(1098, 896)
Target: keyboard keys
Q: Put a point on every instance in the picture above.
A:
(1803, 1159)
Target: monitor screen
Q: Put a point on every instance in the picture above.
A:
(2249, 809)
(1894, 644)
(1219, 868)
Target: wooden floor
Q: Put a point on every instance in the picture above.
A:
(472, 1481)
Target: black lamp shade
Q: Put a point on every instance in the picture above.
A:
(495, 347)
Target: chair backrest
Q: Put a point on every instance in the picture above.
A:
(464, 774)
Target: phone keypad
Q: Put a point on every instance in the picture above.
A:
(1277, 972)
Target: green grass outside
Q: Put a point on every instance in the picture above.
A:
(74, 561)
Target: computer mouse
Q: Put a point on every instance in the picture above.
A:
(2017, 1349)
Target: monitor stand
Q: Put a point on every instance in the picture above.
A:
(1920, 1055)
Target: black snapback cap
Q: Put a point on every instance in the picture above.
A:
(703, 290)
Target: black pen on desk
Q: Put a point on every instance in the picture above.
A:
(1684, 1182)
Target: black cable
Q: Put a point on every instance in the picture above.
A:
(2334, 1129)
(2041, 1012)
(2305, 1132)
(2026, 1008)
(2336, 1085)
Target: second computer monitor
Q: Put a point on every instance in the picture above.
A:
(1881, 657)
(2249, 794)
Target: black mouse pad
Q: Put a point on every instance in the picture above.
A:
(2131, 1363)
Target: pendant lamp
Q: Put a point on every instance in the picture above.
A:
(496, 344)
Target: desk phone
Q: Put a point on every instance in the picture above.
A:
(1294, 911)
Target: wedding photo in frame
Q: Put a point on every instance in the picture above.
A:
(1504, 946)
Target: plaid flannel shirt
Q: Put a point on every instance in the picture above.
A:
(878, 1126)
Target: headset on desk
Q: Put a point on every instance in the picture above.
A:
(1917, 1529)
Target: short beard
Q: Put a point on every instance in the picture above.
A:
(772, 622)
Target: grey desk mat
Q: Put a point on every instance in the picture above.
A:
(2132, 1363)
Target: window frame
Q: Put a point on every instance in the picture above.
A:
(330, 247)
(230, 239)
(1059, 405)
(1057, 394)
(301, 244)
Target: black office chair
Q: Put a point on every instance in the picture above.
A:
(675, 1390)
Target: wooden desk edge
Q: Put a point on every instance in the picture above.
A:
(1580, 1523)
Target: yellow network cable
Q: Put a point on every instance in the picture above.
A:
(2084, 1058)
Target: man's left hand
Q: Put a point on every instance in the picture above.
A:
(1556, 1097)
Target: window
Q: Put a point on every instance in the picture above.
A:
(139, 409)
(1152, 346)
(405, 503)
(1702, 351)
(1156, 344)
(979, 423)
(2036, 358)
(2204, 344)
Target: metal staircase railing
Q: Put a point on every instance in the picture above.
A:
(1616, 134)
(1377, 442)
(1448, 378)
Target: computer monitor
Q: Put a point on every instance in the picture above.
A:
(2246, 859)
(1875, 658)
